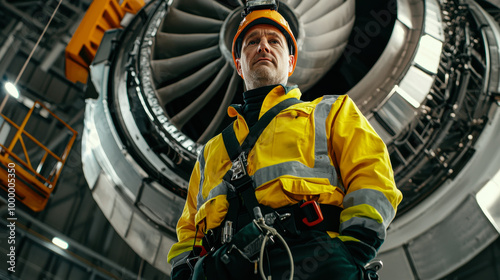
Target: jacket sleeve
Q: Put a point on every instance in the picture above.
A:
(186, 228)
(371, 197)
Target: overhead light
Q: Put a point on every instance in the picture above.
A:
(59, 242)
(11, 89)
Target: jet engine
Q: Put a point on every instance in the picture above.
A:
(425, 73)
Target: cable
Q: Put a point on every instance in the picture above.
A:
(31, 54)
(37, 43)
(272, 232)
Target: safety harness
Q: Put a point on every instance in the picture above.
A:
(241, 189)
(245, 209)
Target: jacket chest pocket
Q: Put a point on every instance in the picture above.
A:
(291, 135)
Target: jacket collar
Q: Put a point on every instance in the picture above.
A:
(276, 94)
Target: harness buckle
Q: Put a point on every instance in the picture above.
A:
(239, 168)
(312, 218)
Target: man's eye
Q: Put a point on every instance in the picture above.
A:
(274, 41)
(252, 42)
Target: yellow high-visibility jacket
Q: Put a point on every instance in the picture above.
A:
(324, 150)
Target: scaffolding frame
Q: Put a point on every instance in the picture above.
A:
(32, 187)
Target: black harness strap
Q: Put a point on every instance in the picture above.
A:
(241, 190)
(231, 143)
(233, 147)
(240, 184)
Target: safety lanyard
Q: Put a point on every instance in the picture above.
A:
(239, 183)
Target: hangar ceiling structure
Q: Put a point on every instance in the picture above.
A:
(425, 73)
(95, 250)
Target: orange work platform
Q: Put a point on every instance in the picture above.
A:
(28, 168)
(101, 16)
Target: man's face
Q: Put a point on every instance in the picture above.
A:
(265, 59)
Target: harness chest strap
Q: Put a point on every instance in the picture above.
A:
(241, 189)
(237, 179)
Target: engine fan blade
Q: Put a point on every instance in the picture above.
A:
(332, 20)
(293, 3)
(304, 6)
(165, 70)
(319, 59)
(329, 40)
(178, 21)
(319, 10)
(236, 2)
(187, 113)
(173, 91)
(221, 112)
(170, 44)
(209, 8)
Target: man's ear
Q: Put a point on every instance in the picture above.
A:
(291, 60)
(238, 67)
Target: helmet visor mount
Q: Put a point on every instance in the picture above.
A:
(253, 5)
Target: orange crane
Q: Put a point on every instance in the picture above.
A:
(101, 16)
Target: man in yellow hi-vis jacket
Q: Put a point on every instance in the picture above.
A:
(318, 167)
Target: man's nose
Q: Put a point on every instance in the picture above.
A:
(263, 46)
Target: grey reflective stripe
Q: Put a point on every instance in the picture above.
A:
(368, 223)
(180, 259)
(296, 169)
(377, 200)
(201, 161)
(320, 140)
(220, 189)
(322, 159)
(270, 173)
(374, 198)
(322, 167)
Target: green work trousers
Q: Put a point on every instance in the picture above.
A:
(315, 255)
